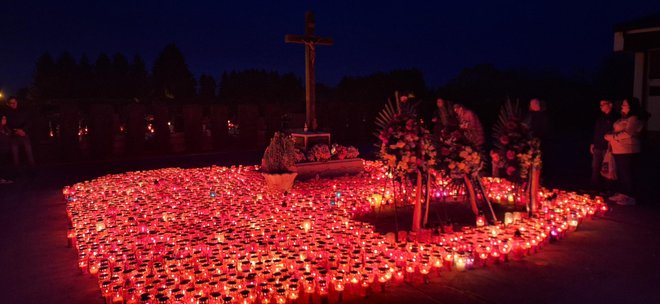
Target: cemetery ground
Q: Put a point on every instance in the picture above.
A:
(609, 259)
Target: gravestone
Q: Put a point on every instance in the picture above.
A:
(42, 143)
(162, 133)
(248, 125)
(219, 117)
(192, 127)
(101, 135)
(273, 119)
(135, 128)
(68, 131)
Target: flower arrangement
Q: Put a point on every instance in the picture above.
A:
(323, 152)
(352, 152)
(530, 158)
(459, 157)
(319, 153)
(406, 145)
(300, 155)
(338, 151)
(407, 150)
(515, 149)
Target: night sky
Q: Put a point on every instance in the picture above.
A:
(438, 37)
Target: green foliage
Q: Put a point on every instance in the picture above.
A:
(280, 156)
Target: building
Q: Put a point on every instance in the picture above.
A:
(642, 37)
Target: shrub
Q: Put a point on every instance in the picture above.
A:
(280, 156)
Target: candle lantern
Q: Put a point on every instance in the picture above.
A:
(377, 199)
(158, 234)
(460, 262)
(307, 225)
(508, 218)
(517, 217)
(100, 225)
(481, 220)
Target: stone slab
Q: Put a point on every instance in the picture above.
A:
(331, 168)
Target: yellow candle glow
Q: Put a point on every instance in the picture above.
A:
(460, 262)
(307, 225)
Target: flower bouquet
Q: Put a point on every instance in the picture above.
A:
(512, 139)
(406, 145)
(461, 161)
(459, 157)
(406, 149)
(319, 153)
(323, 152)
(516, 152)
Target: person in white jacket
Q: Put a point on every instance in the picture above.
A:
(626, 146)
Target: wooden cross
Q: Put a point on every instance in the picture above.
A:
(310, 40)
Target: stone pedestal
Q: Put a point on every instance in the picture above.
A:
(331, 168)
(306, 140)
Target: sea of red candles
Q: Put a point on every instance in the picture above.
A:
(216, 235)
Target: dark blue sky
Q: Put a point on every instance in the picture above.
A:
(438, 37)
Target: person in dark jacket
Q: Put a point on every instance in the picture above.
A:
(599, 145)
(537, 119)
(4, 148)
(18, 122)
(538, 122)
(470, 124)
(443, 117)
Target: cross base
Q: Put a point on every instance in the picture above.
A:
(305, 140)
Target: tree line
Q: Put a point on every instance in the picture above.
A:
(120, 78)
(483, 87)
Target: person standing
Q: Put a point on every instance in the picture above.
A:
(4, 148)
(443, 116)
(626, 146)
(17, 122)
(599, 145)
(537, 119)
(469, 122)
(538, 122)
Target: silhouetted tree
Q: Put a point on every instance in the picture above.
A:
(85, 78)
(44, 78)
(171, 76)
(259, 86)
(65, 69)
(365, 97)
(138, 78)
(119, 81)
(102, 76)
(614, 76)
(207, 87)
(376, 88)
(474, 85)
(483, 88)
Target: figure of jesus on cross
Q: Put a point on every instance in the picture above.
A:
(310, 40)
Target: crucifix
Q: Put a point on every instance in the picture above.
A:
(310, 41)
